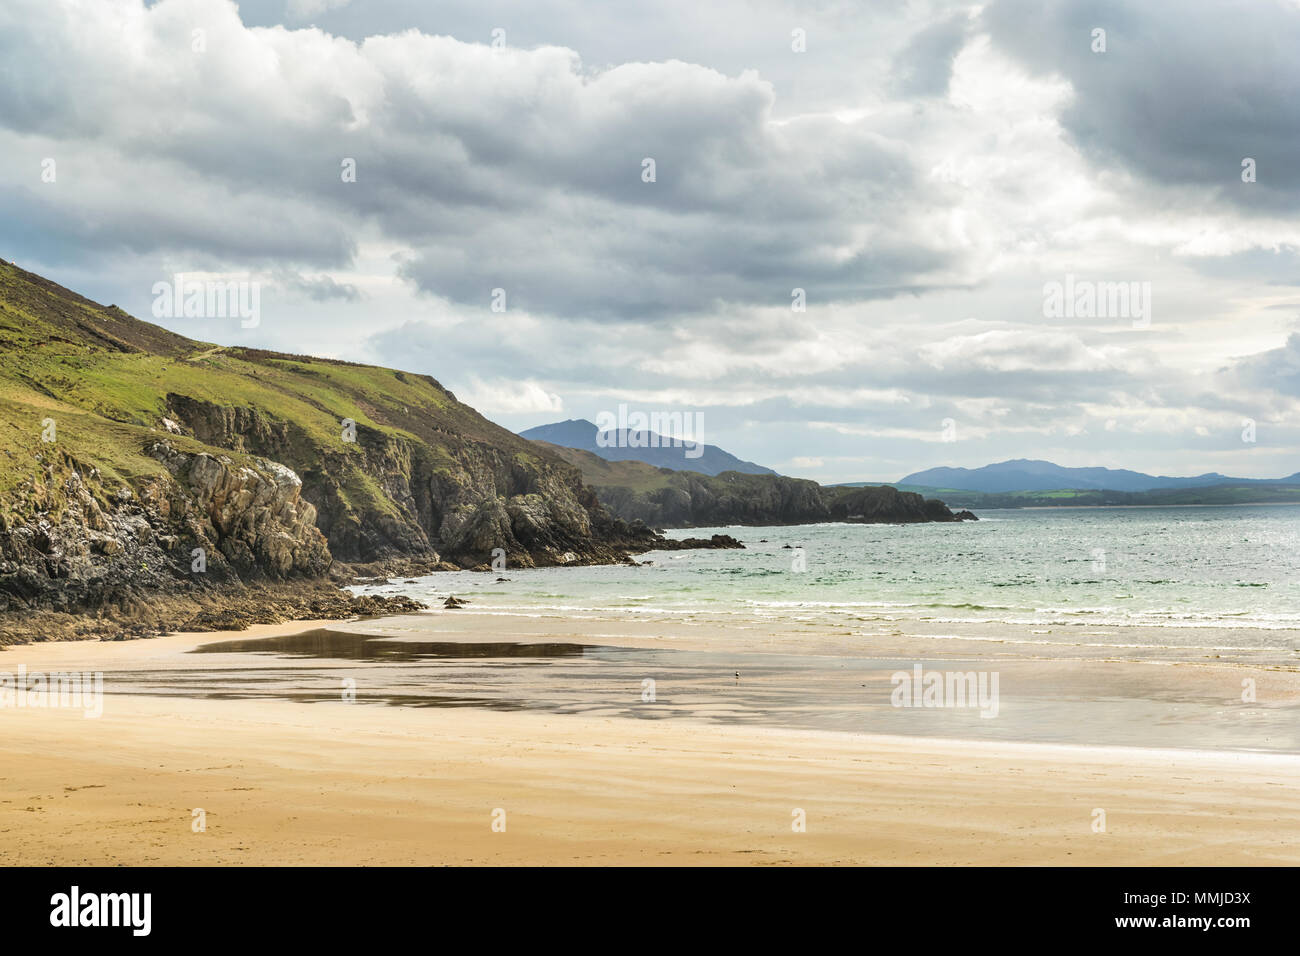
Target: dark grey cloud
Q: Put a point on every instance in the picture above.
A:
(514, 169)
(1182, 94)
(323, 288)
(924, 66)
(1276, 370)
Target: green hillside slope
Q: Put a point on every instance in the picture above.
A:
(125, 447)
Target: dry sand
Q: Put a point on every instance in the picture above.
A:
(337, 783)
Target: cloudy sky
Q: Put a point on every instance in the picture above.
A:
(920, 170)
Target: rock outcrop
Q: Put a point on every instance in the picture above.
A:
(461, 500)
(885, 505)
(149, 481)
(663, 498)
(74, 542)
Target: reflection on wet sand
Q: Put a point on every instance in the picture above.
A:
(344, 645)
(1084, 702)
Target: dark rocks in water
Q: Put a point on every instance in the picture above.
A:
(688, 544)
(502, 580)
(964, 515)
(886, 505)
(454, 602)
(378, 606)
(786, 547)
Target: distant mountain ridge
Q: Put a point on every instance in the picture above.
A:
(644, 446)
(662, 497)
(1023, 474)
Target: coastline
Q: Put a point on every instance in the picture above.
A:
(329, 782)
(1223, 504)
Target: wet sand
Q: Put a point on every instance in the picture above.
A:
(331, 782)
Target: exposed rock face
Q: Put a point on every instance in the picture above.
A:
(886, 505)
(250, 518)
(74, 543)
(461, 501)
(693, 500)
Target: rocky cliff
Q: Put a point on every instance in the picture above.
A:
(662, 498)
(150, 481)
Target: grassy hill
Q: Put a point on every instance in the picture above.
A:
(124, 446)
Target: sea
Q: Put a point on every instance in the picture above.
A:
(1172, 569)
(1148, 627)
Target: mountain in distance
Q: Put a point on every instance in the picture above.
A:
(643, 446)
(667, 498)
(1023, 474)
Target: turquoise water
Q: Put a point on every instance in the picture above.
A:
(1167, 568)
(1136, 627)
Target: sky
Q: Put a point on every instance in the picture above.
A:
(842, 256)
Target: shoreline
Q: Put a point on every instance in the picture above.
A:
(284, 782)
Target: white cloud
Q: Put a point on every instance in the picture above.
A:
(920, 189)
(510, 398)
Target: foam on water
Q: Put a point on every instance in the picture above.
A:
(1172, 569)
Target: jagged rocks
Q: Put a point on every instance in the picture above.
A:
(685, 544)
(251, 513)
(86, 548)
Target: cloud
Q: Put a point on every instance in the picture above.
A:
(306, 9)
(1274, 370)
(924, 66)
(509, 397)
(919, 188)
(321, 288)
(496, 168)
(1179, 97)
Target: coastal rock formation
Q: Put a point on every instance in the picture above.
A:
(687, 544)
(885, 505)
(663, 498)
(150, 481)
(693, 500)
(459, 499)
(72, 540)
(248, 518)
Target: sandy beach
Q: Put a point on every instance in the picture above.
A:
(331, 782)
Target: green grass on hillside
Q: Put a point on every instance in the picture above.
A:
(104, 378)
